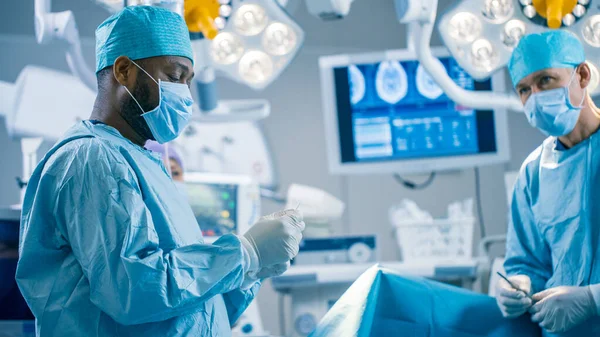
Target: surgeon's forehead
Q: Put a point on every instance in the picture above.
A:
(533, 77)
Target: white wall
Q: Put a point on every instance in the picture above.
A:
(296, 132)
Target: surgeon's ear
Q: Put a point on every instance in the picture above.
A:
(585, 74)
(124, 71)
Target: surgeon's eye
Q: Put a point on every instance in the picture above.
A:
(545, 80)
(523, 91)
(173, 78)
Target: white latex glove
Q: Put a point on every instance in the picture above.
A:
(272, 271)
(514, 303)
(275, 239)
(560, 309)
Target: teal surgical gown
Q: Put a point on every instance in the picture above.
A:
(109, 247)
(554, 230)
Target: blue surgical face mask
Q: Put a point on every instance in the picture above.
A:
(173, 112)
(551, 111)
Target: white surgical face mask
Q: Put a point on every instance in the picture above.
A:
(551, 111)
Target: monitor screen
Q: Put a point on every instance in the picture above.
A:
(215, 207)
(391, 112)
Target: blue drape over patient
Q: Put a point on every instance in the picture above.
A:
(382, 303)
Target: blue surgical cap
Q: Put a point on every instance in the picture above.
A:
(551, 49)
(140, 32)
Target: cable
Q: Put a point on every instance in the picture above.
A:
(412, 185)
(479, 208)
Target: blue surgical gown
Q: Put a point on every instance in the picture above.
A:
(109, 247)
(554, 229)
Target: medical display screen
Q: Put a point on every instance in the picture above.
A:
(393, 110)
(214, 206)
(13, 305)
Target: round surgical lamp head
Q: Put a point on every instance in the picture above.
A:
(465, 27)
(591, 31)
(498, 11)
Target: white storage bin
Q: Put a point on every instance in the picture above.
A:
(435, 240)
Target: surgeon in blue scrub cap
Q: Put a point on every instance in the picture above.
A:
(108, 246)
(553, 248)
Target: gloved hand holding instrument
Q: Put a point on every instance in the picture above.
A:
(513, 295)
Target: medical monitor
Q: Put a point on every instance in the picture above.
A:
(383, 113)
(223, 203)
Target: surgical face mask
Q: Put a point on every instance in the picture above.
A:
(173, 112)
(551, 111)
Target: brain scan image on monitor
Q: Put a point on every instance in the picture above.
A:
(426, 85)
(357, 84)
(391, 82)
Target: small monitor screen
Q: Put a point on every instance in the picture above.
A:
(215, 207)
(394, 110)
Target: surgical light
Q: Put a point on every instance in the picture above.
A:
(224, 2)
(225, 11)
(525, 2)
(579, 11)
(250, 19)
(498, 11)
(220, 23)
(279, 39)
(465, 27)
(591, 31)
(256, 67)
(514, 30)
(584, 2)
(568, 20)
(483, 54)
(529, 11)
(226, 48)
(259, 40)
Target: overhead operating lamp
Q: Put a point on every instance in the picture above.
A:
(250, 42)
(256, 42)
(420, 15)
(481, 35)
